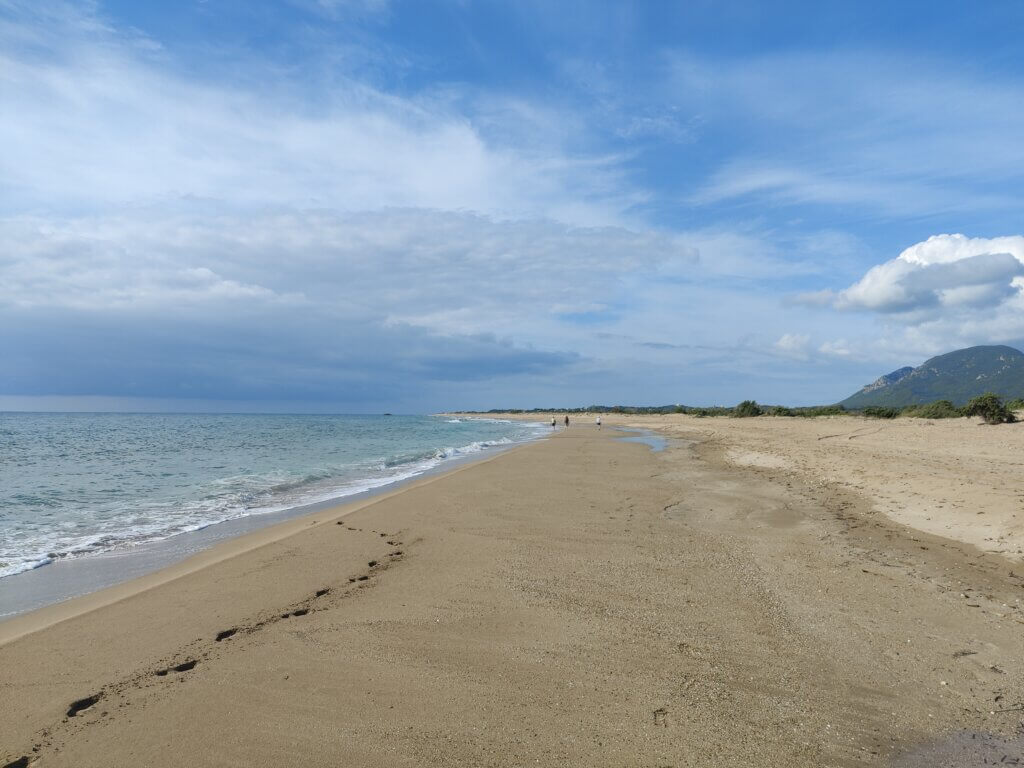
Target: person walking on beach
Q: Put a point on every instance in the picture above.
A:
(599, 421)
(567, 421)
(552, 422)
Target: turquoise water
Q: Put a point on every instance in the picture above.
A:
(75, 484)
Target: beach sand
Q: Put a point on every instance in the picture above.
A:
(957, 478)
(578, 601)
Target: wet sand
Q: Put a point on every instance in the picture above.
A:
(579, 601)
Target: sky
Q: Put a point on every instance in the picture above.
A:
(380, 205)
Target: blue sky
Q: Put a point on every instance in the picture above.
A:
(364, 205)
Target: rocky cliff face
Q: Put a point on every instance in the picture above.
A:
(888, 379)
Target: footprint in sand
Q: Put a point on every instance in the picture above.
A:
(83, 704)
(184, 667)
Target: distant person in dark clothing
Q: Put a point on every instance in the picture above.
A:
(552, 422)
(567, 421)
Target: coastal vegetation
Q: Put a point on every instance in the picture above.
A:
(991, 408)
(747, 408)
(988, 406)
(939, 409)
(984, 381)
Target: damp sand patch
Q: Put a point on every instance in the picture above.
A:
(965, 749)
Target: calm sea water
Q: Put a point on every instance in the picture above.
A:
(75, 484)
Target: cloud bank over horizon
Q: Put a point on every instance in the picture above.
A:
(949, 291)
(339, 205)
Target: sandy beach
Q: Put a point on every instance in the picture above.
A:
(761, 593)
(957, 478)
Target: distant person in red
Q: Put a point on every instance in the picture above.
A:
(567, 421)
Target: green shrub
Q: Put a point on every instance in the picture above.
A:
(939, 409)
(880, 412)
(1017, 404)
(990, 407)
(746, 409)
(779, 410)
(713, 411)
(819, 410)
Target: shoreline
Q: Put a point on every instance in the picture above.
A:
(586, 602)
(258, 531)
(67, 505)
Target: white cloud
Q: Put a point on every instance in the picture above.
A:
(836, 348)
(894, 134)
(445, 273)
(793, 344)
(97, 117)
(944, 272)
(944, 293)
(396, 305)
(357, 234)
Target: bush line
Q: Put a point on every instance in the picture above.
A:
(989, 407)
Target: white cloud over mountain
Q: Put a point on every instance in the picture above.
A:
(945, 272)
(940, 294)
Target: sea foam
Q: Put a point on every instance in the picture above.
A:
(75, 485)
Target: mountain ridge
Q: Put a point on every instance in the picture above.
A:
(956, 376)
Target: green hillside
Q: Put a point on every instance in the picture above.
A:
(956, 376)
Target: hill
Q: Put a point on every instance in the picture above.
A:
(956, 376)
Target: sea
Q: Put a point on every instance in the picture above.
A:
(75, 486)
